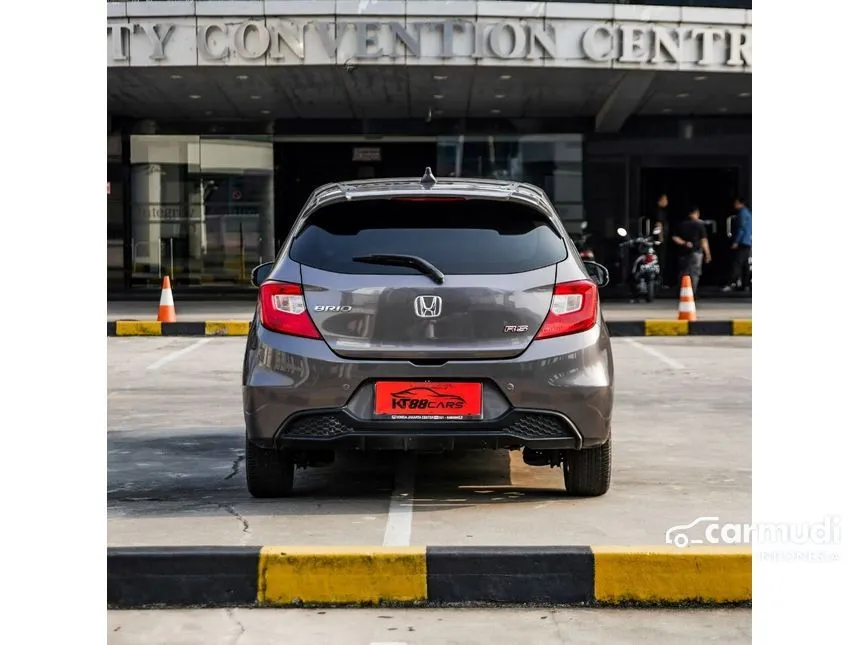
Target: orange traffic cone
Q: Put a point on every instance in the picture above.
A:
(686, 303)
(166, 310)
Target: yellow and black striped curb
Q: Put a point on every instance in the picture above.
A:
(155, 328)
(271, 576)
(616, 328)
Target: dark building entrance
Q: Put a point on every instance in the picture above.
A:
(244, 190)
(301, 167)
(710, 188)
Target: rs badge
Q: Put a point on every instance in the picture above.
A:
(516, 329)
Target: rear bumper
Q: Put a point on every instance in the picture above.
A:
(298, 394)
(339, 429)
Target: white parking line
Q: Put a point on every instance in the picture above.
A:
(671, 362)
(164, 360)
(398, 528)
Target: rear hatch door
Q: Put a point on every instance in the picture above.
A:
(428, 280)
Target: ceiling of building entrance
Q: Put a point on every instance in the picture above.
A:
(313, 92)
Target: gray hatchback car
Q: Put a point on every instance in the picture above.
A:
(424, 314)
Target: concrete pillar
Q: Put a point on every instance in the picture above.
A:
(196, 220)
(267, 220)
(146, 211)
(145, 206)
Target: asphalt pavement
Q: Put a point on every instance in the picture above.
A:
(681, 439)
(711, 309)
(430, 626)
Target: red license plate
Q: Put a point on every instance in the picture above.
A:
(428, 400)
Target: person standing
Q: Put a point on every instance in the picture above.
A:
(660, 219)
(692, 237)
(741, 247)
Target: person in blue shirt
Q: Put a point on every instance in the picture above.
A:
(741, 247)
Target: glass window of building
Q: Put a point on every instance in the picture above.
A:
(201, 208)
(552, 162)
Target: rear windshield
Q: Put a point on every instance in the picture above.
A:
(458, 237)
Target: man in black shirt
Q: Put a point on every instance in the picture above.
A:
(660, 219)
(692, 237)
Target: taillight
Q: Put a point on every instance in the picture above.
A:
(587, 255)
(650, 258)
(573, 309)
(282, 309)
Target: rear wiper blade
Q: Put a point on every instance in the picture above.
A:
(395, 259)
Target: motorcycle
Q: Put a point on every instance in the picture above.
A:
(580, 240)
(645, 271)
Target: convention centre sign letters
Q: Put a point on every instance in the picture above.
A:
(291, 42)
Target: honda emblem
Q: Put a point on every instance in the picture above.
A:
(428, 306)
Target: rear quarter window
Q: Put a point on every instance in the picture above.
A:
(470, 237)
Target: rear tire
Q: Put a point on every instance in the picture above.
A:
(587, 472)
(650, 290)
(269, 472)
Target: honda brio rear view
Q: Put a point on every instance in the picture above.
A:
(416, 314)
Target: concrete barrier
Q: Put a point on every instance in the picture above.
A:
(272, 576)
(616, 328)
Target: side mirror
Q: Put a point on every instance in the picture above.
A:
(622, 232)
(598, 273)
(261, 273)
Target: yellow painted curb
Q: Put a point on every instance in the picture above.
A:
(670, 574)
(138, 328)
(227, 328)
(742, 328)
(666, 328)
(342, 575)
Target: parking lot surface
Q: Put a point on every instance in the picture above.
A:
(430, 626)
(681, 440)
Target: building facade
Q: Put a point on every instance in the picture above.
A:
(223, 116)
